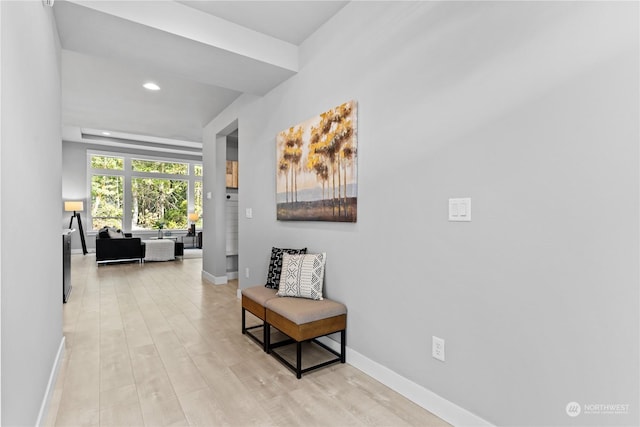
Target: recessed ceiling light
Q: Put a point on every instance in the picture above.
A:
(106, 133)
(151, 86)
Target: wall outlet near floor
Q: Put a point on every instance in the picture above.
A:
(437, 348)
(460, 209)
(246, 272)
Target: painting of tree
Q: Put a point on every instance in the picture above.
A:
(317, 168)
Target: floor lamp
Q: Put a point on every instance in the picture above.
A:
(76, 207)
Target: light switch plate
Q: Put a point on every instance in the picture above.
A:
(460, 209)
(248, 212)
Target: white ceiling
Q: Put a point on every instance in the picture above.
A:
(203, 54)
(291, 21)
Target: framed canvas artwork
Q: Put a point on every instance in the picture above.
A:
(317, 168)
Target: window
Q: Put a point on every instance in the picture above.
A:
(198, 201)
(107, 162)
(107, 201)
(143, 193)
(159, 201)
(160, 167)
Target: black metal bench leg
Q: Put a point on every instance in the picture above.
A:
(298, 359)
(343, 346)
(265, 331)
(267, 337)
(244, 320)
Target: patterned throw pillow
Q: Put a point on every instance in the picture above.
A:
(104, 232)
(115, 234)
(275, 265)
(302, 276)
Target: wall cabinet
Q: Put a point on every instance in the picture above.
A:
(232, 174)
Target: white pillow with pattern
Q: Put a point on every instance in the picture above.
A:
(302, 275)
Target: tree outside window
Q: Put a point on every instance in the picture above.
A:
(157, 200)
(161, 192)
(168, 168)
(107, 201)
(197, 198)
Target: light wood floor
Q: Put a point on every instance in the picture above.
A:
(155, 345)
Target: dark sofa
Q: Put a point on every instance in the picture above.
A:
(119, 249)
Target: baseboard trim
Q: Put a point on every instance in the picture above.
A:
(44, 407)
(232, 275)
(79, 251)
(437, 405)
(216, 280)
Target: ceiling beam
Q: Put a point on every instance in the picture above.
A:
(180, 20)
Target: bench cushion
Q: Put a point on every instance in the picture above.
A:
(301, 311)
(259, 294)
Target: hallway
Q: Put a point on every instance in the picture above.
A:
(153, 344)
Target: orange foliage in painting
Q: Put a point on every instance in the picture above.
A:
(289, 163)
(332, 150)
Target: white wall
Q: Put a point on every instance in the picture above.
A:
(214, 257)
(530, 109)
(31, 279)
(74, 187)
(0, 215)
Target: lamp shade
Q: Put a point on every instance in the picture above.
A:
(193, 217)
(73, 205)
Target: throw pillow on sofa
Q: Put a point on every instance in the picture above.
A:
(110, 233)
(116, 234)
(103, 233)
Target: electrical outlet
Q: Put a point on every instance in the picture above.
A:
(246, 272)
(460, 209)
(437, 348)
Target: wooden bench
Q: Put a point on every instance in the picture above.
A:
(254, 300)
(302, 320)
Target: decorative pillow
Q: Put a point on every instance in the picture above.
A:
(302, 276)
(115, 234)
(275, 265)
(104, 233)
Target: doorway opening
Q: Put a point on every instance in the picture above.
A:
(231, 205)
